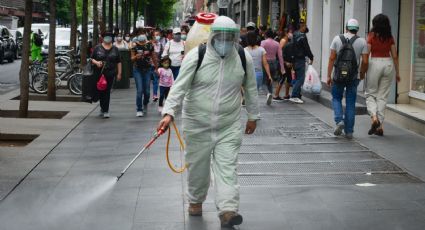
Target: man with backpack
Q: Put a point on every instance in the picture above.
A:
(210, 81)
(301, 50)
(36, 44)
(344, 60)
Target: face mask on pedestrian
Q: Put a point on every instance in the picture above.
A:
(157, 38)
(223, 47)
(107, 39)
(177, 37)
(142, 38)
(165, 64)
(184, 36)
(127, 39)
(119, 39)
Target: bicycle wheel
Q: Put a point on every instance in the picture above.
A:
(62, 65)
(75, 84)
(39, 82)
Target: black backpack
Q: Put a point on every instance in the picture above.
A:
(346, 66)
(202, 49)
(38, 41)
(289, 51)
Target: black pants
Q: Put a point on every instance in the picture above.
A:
(163, 91)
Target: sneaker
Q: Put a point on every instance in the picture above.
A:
(139, 114)
(160, 109)
(259, 116)
(349, 136)
(286, 98)
(195, 209)
(230, 219)
(269, 99)
(339, 127)
(277, 99)
(100, 113)
(155, 99)
(296, 100)
(374, 127)
(106, 115)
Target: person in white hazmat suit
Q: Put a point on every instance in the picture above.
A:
(211, 98)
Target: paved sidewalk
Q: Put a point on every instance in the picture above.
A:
(293, 173)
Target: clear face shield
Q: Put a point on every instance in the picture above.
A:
(224, 40)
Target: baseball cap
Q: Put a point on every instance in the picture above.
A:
(353, 24)
(250, 24)
(176, 31)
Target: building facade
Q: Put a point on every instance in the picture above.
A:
(12, 13)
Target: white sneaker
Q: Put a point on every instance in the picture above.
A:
(106, 115)
(139, 114)
(296, 100)
(269, 99)
(338, 129)
(100, 113)
(160, 109)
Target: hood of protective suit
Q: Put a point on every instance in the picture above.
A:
(224, 37)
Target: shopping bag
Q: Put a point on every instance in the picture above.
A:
(312, 83)
(102, 84)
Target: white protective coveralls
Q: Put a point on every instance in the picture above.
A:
(211, 115)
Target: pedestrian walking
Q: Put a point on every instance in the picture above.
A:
(174, 49)
(259, 60)
(158, 49)
(303, 50)
(120, 43)
(287, 64)
(211, 115)
(346, 50)
(143, 56)
(107, 61)
(166, 80)
(275, 61)
(383, 67)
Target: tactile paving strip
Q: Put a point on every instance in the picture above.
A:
(325, 179)
(308, 157)
(319, 167)
(339, 147)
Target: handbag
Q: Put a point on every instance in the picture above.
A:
(102, 83)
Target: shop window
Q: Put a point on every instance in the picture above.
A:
(418, 78)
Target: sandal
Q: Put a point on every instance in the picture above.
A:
(379, 132)
(374, 127)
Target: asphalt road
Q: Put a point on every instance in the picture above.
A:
(9, 76)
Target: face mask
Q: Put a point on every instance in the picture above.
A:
(119, 39)
(177, 37)
(166, 65)
(107, 39)
(184, 36)
(290, 35)
(223, 48)
(142, 38)
(157, 38)
(127, 39)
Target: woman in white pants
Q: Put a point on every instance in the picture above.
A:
(383, 67)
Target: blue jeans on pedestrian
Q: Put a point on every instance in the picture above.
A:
(299, 67)
(175, 70)
(350, 104)
(259, 78)
(155, 83)
(142, 78)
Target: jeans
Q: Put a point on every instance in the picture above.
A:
(155, 83)
(142, 78)
(163, 94)
(299, 67)
(175, 70)
(350, 104)
(259, 77)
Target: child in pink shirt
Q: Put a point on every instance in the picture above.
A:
(166, 80)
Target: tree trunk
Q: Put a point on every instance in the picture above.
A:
(135, 8)
(95, 23)
(51, 85)
(116, 14)
(111, 15)
(84, 36)
(103, 25)
(73, 38)
(24, 71)
(129, 24)
(123, 17)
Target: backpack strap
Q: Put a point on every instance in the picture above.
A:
(202, 49)
(353, 39)
(343, 39)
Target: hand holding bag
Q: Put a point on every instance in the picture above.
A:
(88, 69)
(102, 84)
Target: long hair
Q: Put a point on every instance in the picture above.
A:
(381, 27)
(251, 38)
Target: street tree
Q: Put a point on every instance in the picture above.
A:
(24, 71)
(74, 22)
(135, 13)
(51, 83)
(84, 34)
(95, 22)
(111, 15)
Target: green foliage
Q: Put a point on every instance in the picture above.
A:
(162, 11)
